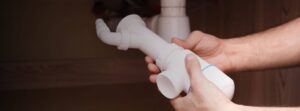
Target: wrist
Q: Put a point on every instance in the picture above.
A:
(239, 52)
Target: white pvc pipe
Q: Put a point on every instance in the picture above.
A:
(170, 58)
(105, 34)
(173, 7)
(173, 21)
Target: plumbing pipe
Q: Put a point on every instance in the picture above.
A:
(170, 58)
(173, 8)
(151, 22)
(173, 21)
(107, 36)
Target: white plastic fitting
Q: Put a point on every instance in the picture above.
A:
(173, 21)
(170, 58)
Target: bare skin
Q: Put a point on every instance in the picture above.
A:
(276, 47)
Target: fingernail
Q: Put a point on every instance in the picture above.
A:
(189, 57)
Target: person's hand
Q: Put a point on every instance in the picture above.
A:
(209, 47)
(204, 95)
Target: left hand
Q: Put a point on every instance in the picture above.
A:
(204, 96)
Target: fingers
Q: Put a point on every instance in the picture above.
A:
(154, 71)
(194, 70)
(152, 78)
(192, 40)
(149, 60)
(181, 43)
(153, 68)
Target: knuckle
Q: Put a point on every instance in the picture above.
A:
(197, 32)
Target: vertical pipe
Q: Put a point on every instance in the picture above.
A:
(173, 21)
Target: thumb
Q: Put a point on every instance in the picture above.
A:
(181, 43)
(194, 70)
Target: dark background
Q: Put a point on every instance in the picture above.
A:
(51, 59)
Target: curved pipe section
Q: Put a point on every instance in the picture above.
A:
(105, 35)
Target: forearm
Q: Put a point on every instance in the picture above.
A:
(276, 47)
(250, 108)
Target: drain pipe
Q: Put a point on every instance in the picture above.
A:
(170, 58)
(106, 36)
(173, 21)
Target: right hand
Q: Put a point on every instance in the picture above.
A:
(207, 46)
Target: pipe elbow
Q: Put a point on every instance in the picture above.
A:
(105, 35)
